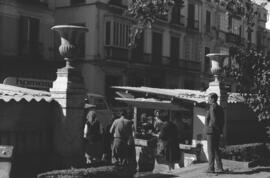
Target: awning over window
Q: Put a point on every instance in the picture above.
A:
(12, 93)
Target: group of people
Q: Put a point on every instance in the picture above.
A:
(112, 144)
(115, 143)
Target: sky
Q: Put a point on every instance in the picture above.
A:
(268, 23)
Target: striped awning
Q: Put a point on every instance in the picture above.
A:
(12, 93)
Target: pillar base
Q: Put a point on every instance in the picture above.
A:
(69, 93)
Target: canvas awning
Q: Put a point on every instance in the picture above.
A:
(12, 93)
(151, 103)
(192, 96)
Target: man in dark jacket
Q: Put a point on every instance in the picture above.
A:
(214, 127)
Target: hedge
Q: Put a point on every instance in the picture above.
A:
(246, 152)
(98, 172)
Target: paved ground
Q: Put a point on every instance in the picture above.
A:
(235, 170)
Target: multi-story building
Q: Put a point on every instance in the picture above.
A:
(169, 55)
(26, 41)
(166, 55)
(222, 31)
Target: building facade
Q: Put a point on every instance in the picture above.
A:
(26, 41)
(222, 31)
(165, 56)
(169, 55)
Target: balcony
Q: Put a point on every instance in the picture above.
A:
(233, 38)
(114, 53)
(41, 3)
(31, 49)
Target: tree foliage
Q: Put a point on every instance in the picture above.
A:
(251, 70)
(145, 12)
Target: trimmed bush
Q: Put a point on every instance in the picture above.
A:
(98, 172)
(246, 152)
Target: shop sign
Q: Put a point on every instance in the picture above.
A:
(28, 83)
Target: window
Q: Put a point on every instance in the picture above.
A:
(156, 48)
(174, 49)
(108, 33)
(208, 21)
(29, 36)
(176, 15)
(234, 26)
(74, 2)
(138, 51)
(193, 16)
(249, 35)
(223, 22)
(206, 60)
(117, 34)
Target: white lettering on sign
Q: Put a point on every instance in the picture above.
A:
(28, 83)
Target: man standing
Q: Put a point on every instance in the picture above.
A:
(214, 128)
(122, 132)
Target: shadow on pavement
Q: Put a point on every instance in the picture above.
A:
(253, 171)
(154, 175)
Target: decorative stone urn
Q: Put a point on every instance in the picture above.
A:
(70, 36)
(69, 92)
(216, 63)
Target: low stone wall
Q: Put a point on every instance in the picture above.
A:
(98, 172)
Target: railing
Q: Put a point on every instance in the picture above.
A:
(116, 53)
(233, 38)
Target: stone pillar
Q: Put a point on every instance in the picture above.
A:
(69, 92)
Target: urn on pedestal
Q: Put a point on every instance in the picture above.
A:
(70, 36)
(69, 92)
(217, 60)
(217, 86)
